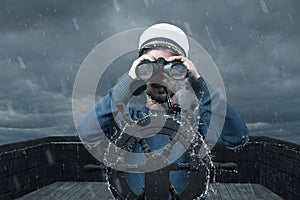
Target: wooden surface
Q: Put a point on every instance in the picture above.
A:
(71, 190)
(237, 191)
(99, 191)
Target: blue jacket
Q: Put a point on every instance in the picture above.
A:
(91, 130)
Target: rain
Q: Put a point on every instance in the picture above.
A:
(291, 18)
(146, 3)
(31, 86)
(10, 108)
(254, 44)
(49, 157)
(116, 5)
(21, 62)
(75, 23)
(264, 6)
(210, 38)
(188, 28)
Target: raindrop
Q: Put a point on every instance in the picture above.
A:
(264, 6)
(188, 28)
(29, 83)
(63, 86)
(116, 5)
(75, 24)
(8, 59)
(49, 157)
(210, 38)
(7, 9)
(10, 108)
(146, 3)
(16, 182)
(44, 81)
(291, 18)
(243, 73)
(21, 62)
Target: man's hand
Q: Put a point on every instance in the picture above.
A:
(144, 57)
(187, 63)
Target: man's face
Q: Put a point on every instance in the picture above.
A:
(159, 83)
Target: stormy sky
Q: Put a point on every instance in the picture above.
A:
(254, 43)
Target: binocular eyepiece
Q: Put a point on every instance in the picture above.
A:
(176, 70)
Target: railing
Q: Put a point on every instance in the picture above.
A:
(27, 166)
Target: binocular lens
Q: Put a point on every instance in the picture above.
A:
(178, 71)
(175, 70)
(144, 71)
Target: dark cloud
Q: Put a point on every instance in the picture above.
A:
(255, 45)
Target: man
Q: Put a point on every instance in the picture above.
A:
(160, 44)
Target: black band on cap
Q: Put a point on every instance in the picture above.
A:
(162, 42)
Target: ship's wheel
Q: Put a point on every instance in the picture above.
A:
(158, 164)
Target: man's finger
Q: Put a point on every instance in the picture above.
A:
(146, 57)
(178, 58)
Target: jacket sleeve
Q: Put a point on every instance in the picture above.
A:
(234, 132)
(100, 121)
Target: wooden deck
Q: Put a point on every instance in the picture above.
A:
(99, 191)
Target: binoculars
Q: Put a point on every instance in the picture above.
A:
(176, 70)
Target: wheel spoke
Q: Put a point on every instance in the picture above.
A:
(145, 148)
(121, 107)
(141, 196)
(173, 139)
(173, 193)
(192, 166)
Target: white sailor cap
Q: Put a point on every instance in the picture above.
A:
(164, 35)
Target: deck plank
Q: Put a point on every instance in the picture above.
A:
(247, 191)
(264, 192)
(225, 195)
(71, 190)
(236, 192)
(100, 191)
(214, 192)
